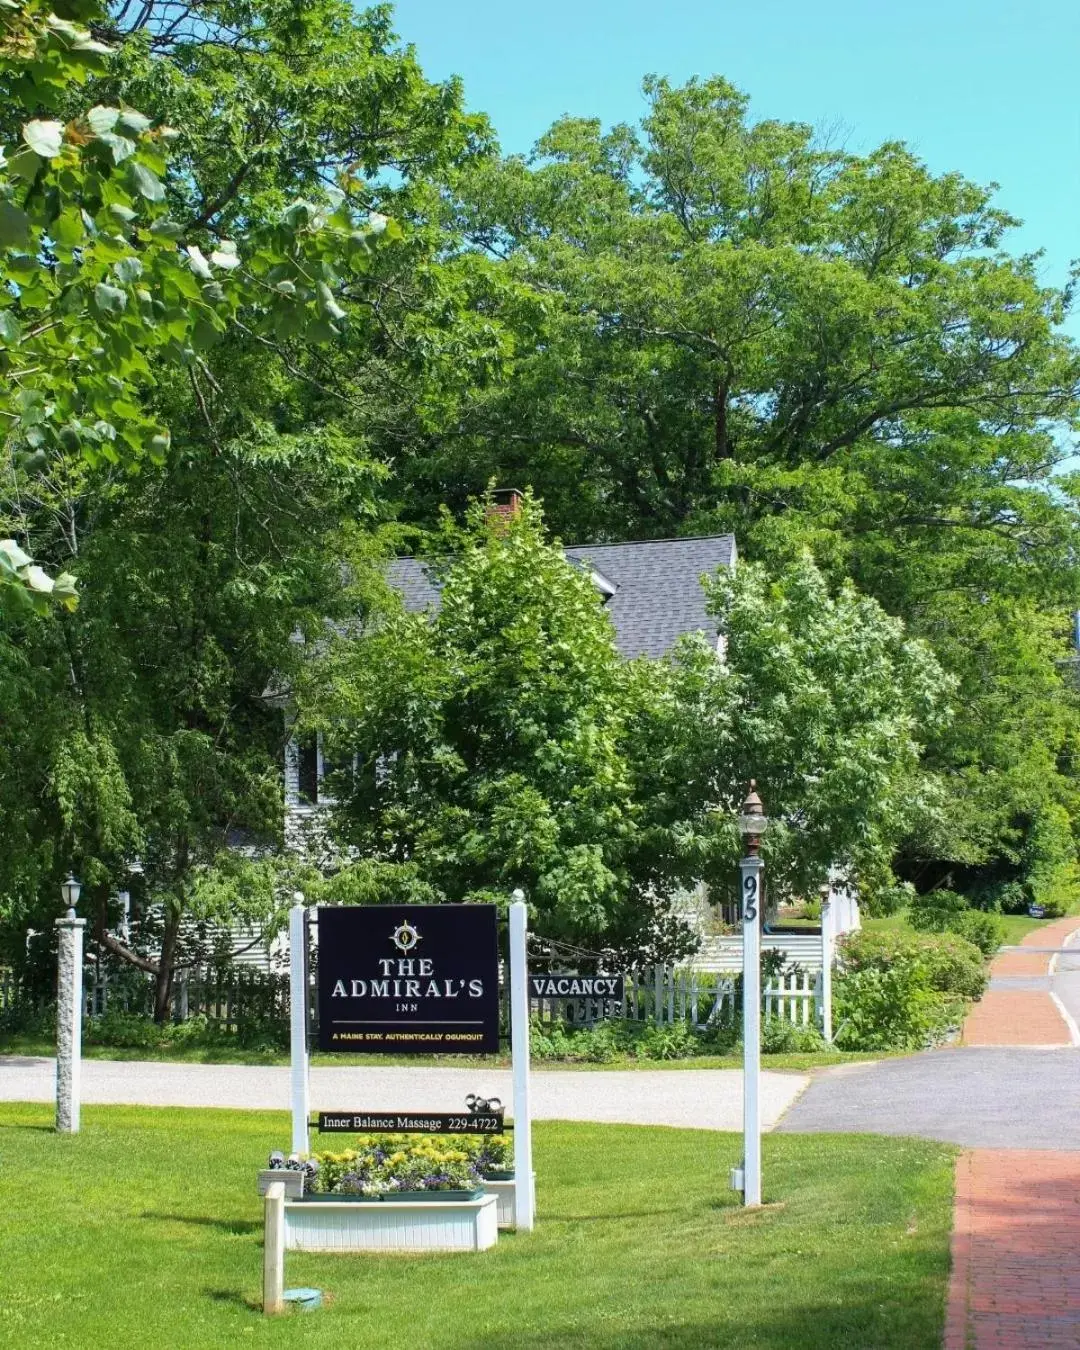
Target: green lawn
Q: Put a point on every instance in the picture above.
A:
(145, 1231)
(1016, 926)
(18, 1044)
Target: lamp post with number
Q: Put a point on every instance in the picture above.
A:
(752, 825)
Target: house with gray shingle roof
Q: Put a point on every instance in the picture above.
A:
(651, 589)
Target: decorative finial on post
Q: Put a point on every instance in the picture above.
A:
(752, 822)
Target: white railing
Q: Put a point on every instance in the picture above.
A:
(668, 994)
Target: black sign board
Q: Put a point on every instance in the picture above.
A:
(564, 985)
(409, 979)
(411, 1122)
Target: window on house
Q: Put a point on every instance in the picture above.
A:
(308, 771)
(337, 773)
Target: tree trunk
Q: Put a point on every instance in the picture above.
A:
(163, 977)
(720, 410)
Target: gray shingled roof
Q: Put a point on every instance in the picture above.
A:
(658, 593)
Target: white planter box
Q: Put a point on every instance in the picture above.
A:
(391, 1225)
(505, 1193)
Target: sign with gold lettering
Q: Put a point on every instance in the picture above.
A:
(409, 979)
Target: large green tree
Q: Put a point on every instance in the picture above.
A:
(135, 728)
(503, 742)
(734, 326)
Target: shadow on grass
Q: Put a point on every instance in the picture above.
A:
(235, 1227)
(622, 1215)
(855, 1326)
(234, 1298)
(16, 1125)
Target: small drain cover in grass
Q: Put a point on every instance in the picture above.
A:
(306, 1300)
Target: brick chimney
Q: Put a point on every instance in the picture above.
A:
(505, 504)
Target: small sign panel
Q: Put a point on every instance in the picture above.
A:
(410, 1122)
(409, 979)
(560, 985)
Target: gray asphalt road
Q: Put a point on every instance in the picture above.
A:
(1066, 981)
(981, 1097)
(708, 1099)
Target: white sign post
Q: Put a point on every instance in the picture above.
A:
(750, 869)
(826, 962)
(298, 1044)
(519, 1050)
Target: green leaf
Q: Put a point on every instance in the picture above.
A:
(44, 138)
(102, 119)
(225, 255)
(135, 122)
(205, 334)
(10, 331)
(166, 228)
(327, 303)
(198, 263)
(68, 229)
(121, 212)
(121, 147)
(147, 183)
(14, 225)
(12, 555)
(25, 164)
(128, 269)
(109, 299)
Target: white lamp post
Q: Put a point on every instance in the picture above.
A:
(71, 890)
(752, 825)
(69, 1009)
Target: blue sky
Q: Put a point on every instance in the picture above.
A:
(987, 87)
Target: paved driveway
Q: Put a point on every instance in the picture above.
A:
(982, 1097)
(709, 1099)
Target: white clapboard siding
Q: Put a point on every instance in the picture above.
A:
(396, 1225)
(723, 955)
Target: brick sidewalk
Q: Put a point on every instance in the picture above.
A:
(1015, 1281)
(1015, 1017)
(1021, 1017)
(1016, 1251)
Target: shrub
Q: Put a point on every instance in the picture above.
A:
(932, 913)
(136, 1032)
(903, 991)
(780, 1037)
(1049, 859)
(894, 1009)
(879, 901)
(1001, 897)
(676, 1040)
(945, 911)
(982, 930)
(952, 964)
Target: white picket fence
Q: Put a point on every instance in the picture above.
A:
(668, 994)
